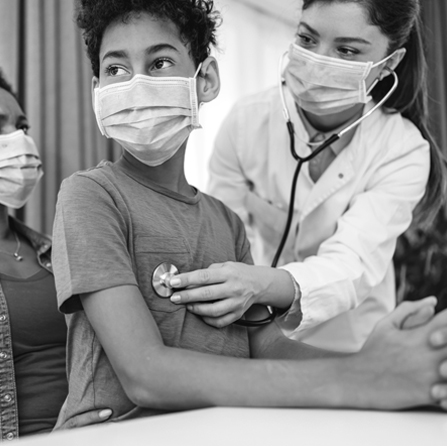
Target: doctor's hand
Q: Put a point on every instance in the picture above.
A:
(223, 292)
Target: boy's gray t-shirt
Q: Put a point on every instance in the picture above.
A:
(113, 227)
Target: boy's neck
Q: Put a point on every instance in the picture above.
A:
(169, 175)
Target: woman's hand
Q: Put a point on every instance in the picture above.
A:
(88, 418)
(222, 293)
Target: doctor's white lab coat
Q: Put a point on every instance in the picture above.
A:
(345, 225)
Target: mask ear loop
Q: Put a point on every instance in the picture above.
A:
(199, 68)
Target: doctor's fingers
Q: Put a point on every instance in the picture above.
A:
(219, 309)
(206, 293)
(212, 274)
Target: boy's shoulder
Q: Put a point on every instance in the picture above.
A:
(102, 173)
(221, 210)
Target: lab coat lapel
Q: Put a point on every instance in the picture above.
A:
(335, 177)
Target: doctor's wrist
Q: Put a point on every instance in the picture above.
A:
(282, 292)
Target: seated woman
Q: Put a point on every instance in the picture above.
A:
(33, 383)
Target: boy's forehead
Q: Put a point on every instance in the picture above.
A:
(139, 33)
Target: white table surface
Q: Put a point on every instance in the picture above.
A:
(260, 427)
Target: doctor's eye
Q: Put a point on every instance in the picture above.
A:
(304, 40)
(115, 70)
(161, 64)
(347, 53)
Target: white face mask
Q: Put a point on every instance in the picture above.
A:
(20, 168)
(324, 85)
(151, 117)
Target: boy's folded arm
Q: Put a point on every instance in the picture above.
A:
(154, 375)
(160, 377)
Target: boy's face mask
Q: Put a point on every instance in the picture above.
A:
(324, 85)
(20, 168)
(151, 117)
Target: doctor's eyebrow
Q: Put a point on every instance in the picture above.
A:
(337, 39)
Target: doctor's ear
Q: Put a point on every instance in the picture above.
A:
(392, 63)
(208, 80)
(95, 83)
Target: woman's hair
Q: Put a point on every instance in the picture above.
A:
(400, 21)
(196, 21)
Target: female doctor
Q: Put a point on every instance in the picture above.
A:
(352, 201)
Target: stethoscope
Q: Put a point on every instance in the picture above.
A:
(165, 271)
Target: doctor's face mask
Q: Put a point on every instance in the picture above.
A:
(325, 85)
(150, 117)
(20, 168)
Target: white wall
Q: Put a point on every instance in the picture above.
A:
(251, 39)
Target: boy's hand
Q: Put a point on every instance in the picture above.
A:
(223, 293)
(418, 313)
(405, 366)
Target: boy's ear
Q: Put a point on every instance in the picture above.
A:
(95, 83)
(208, 80)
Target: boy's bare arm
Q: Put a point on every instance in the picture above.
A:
(383, 377)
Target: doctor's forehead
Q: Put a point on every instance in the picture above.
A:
(140, 34)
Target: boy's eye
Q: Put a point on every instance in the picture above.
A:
(115, 70)
(25, 128)
(161, 64)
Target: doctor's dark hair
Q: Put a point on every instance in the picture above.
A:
(400, 21)
(196, 21)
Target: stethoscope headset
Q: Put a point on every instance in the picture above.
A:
(164, 271)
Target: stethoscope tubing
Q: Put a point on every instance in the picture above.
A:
(300, 161)
(162, 268)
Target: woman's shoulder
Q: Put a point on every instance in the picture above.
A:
(390, 124)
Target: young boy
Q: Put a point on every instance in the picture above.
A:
(137, 353)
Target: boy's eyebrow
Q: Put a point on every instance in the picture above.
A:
(160, 47)
(116, 54)
(121, 54)
(338, 39)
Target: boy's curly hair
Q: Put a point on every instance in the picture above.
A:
(196, 21)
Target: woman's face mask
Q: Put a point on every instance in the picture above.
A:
(20, 168)
(325, 85)
(150, 117)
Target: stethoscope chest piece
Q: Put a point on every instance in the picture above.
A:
(160, 279)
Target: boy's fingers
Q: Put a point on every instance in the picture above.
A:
(443, 369)
(439, 392)
(406, 309)
(439, 338)
(421, 317)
